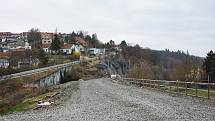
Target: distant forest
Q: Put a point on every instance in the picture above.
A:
(162, 65)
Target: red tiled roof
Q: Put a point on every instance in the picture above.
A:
(47, 34)
(67, 46)
(18, 50)
(5, 33)
(5, 54)
(45, 45)
(81, 41)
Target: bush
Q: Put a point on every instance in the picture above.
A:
(76, 55)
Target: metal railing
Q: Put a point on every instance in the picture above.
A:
(197, 89)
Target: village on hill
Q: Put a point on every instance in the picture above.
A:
(29, 49)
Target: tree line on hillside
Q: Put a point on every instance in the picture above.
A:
(167, 65)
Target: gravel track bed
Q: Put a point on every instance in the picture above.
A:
(103, 100)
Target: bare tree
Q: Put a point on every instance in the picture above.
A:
(34, 38)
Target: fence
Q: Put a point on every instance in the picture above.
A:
(197, 89)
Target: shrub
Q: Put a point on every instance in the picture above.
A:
(76, 55)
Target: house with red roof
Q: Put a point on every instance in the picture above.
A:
(81, 41)
(70, 48)
(67, 48)
(4, 63)
(46, 48)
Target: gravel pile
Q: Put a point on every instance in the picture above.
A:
(103, 100)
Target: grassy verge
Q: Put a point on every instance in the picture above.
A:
(14, 91)
(59, 59)
(27, 104)
(182, 90)
(191, 91)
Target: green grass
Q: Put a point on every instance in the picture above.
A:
(27, 104)
(21, 107)
(182, 90)
(202, 93)
(192, 92)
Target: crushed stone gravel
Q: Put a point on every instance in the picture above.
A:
(104, 100)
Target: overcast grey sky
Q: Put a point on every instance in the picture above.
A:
(157, 24)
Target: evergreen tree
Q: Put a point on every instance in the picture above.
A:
(95, 41)
(123, 45)
(43, 57)
(81, 34)
(94, 37)
(88, 37)
(56, 44)
(61, 38)
(112, 42)
(71, 38)
(209, 65)
(107, 45)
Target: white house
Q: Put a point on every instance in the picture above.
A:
(81, 48)
(66, 49)
(4, 63)
(46, 48)
(5, 50)
(27, 45)
(70, 48)
(96, 51)
(78, 48)
(47, 37)
(102, 51)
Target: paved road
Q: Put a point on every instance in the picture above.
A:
(103, 100)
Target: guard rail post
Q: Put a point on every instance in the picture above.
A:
(196, 89)
(186, 87)
(159, 84)
(150, 84)
(177, 86)
(208, 87)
